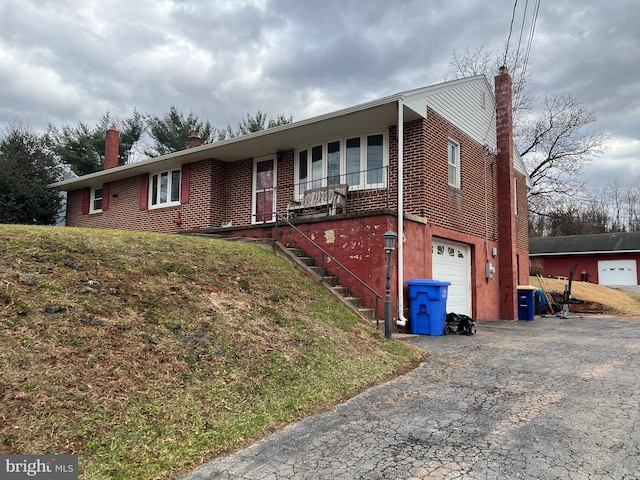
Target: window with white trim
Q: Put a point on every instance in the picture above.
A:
(454, 163)
(95, 203)
(164, 189)
(359, 161)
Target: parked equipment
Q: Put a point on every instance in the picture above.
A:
(553, 305)
(567, 294)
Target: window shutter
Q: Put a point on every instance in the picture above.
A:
(105, 197)
(86, 199)
(144, 191)
(184, 183)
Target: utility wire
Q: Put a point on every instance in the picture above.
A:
(528, 50)
(517, 55)
(524, 17)
(513, 16)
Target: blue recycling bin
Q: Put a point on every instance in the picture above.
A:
(427, 306)
(526, 302)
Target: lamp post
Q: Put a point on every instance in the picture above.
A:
(389, 239)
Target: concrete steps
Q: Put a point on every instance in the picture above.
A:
(333, 281)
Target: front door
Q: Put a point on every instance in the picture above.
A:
(264, 181)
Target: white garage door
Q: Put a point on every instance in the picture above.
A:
(617, 272)
(452, 263)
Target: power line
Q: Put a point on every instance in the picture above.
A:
(529, 42)
(513, 16)
(524, 16)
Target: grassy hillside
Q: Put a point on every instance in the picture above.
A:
(146, 354)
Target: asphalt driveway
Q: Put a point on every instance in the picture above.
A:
(546, 399)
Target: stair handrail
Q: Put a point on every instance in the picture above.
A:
(334, 259)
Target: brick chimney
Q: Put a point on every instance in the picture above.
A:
(507, 266)
(194, 140)
(111, 148)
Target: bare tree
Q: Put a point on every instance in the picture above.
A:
(556, 145)
(632, 199)
(484, 62)
(553, 136)
(614, 196)
(571, 217)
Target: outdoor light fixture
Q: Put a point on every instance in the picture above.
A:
(389, 239)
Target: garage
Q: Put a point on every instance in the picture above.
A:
(617, 272)
(451, 262)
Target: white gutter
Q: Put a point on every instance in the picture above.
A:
(402, 321)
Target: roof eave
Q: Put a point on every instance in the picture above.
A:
(592, 252)
(224, 150)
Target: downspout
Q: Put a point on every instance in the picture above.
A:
(402, 321)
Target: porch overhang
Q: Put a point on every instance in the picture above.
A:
(363, 118)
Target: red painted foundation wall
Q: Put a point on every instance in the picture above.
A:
(357, 244)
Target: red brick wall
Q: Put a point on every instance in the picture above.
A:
(238, 190)
(426, 191)
(522, 215)
(206, 187)
(285, 181)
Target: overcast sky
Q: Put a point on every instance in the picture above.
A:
(64, 61)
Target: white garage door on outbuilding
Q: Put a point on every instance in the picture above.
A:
(451, 262)
(617, 272)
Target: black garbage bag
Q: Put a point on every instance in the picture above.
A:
(458, 324)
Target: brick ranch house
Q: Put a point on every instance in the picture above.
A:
(442, 155)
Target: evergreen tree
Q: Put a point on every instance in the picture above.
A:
(26, 168)
(170, 133)
(82, 147)
(259, 121)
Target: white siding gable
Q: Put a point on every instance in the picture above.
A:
(467, 103)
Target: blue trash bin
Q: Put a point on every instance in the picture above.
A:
(427, 306)
(526, 302)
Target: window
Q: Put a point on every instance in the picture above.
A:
(333, 163)
(454, 163)
(353, 161)
(95, 205)
(164, 189)
(303, 176)
(374, 160)
(358, 161)
(317, 165)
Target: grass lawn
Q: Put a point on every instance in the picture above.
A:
(146, 354)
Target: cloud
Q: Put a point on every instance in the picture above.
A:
(64, 61)
(621, 156)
